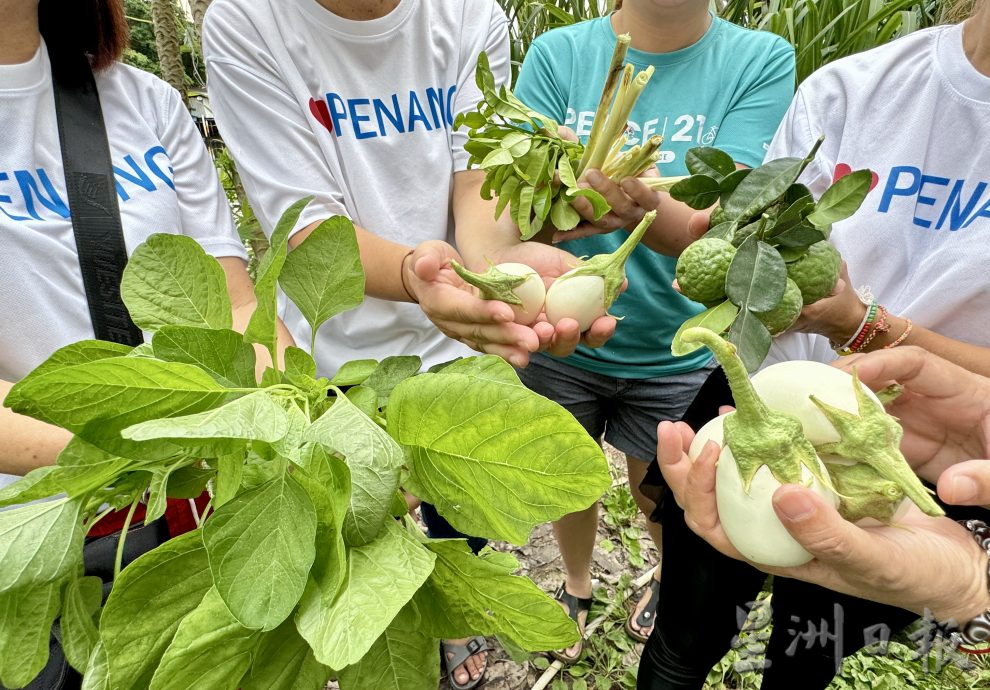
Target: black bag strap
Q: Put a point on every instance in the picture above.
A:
(92, 196)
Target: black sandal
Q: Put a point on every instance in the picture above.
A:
(575, 607)
(459, 653)
(648, 616)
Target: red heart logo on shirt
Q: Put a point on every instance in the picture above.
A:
(842, 169)
(322, 113)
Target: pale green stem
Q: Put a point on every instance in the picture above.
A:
(620, 255)
(749, 406)
(122, 538)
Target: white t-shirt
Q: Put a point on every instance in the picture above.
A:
(358, 114)
(165, 183)
(917, 113)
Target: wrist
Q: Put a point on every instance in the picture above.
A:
(408, 277)
(849, 326)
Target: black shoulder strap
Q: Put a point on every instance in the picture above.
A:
(92, 198)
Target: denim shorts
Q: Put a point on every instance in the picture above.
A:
(625, 412)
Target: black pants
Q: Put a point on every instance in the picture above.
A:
(437, 527)
(702, 592)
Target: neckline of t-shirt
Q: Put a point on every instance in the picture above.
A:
(641, 57)
(370, 28)
(960, 73)
(25, 76)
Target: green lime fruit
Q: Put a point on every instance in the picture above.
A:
(701, 269)
(817, 272)
(780, 318)
(718, 216)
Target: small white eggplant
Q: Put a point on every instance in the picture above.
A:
(788, 387)
(763, 449)
(586, 292)
(747, 515)
(516, 284)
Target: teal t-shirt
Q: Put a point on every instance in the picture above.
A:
(730, 90)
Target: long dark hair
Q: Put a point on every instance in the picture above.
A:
(96, 28)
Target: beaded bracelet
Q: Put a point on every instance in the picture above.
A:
(880, 326)
(402, 276)
(902, 337)
(870, 311)
(978, 629)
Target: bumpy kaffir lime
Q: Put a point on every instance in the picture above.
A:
(717, 216)
(701, 269)
(817, 272)
(780, 318)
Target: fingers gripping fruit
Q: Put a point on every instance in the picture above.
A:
(702, 267)
(817, 272)
(802, 422)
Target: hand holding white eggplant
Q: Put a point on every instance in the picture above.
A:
(579, 292)
(947, 571)
(455, 309)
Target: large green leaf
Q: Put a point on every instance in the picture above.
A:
(39, 543)
(402, 658)
(373, 458)
(495, 458)
(146, 605)
(757, 276)
(210, 650)
(222, 354)
(452, 605)
(698, 191)
(256, 416)
(323, 275)
(261, 546)
(114, 393)
(284, 661)
(97, 670)
(40, 482)
(765, 185)
(26, 617)
(170, 280)
(80, 353)
(83, 597)
(382, 577)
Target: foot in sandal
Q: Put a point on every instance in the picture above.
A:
(640, 622)
(577, 608)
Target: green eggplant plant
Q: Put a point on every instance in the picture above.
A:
(308, 566)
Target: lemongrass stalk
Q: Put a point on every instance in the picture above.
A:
(635, 161)
(605, 102)
(600, 147)
(662, 184)
(618, 164)
(618, 118)
(616, 150)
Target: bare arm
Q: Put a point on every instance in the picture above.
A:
(26, 443)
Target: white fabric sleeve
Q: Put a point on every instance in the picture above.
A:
(800, 346)
(496, 44)
(796, 136)
(276, 171)
(204, 213)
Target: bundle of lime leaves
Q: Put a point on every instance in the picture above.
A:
(766, 254)
(308, 566)
(533, 170)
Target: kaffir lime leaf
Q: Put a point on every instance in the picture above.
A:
(817, 272)
(780, 318)
(701, 269)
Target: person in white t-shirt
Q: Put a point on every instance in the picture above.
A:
(165, 183)
(915, 112)
(353, 103)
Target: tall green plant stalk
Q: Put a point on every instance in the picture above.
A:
(825, 30)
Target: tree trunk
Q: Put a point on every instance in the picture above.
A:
(198, 10)
(167, 44)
